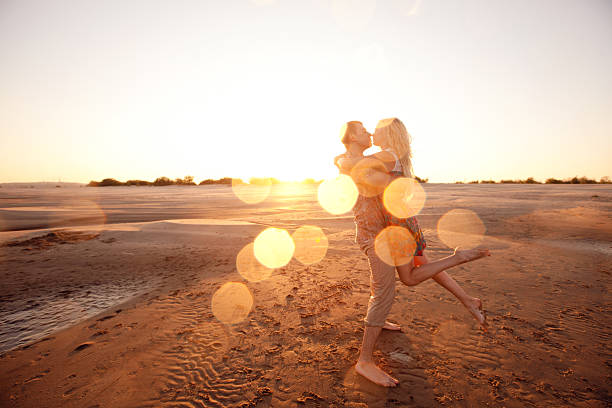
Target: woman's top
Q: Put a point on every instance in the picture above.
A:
(371, 217)
(410, 223)
(398, 164)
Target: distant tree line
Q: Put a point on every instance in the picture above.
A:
(160, 181)
(188, 181)
(531, 180)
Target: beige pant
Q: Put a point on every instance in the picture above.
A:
(369, 221)
(382, 286)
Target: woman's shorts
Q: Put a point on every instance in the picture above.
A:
(412, 225)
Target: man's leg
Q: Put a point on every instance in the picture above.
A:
(382, 282)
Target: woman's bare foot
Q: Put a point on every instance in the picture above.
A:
(467, 255)
(373, 373)
(392, 326)
(474, 306)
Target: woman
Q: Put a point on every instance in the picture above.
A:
(393, 138)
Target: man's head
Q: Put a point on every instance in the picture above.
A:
(353, 132)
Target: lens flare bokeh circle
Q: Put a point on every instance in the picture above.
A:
(252, 193)
(337, 195)
(274, 248)
(232, 303)
(395, 245)
(311, 244)
(249, 267)
(404, 197)
(461, 228)
(370, 176)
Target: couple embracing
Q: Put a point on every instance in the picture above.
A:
(371, 174)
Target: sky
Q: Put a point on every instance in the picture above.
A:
(139, 89)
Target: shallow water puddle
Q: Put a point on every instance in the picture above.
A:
(23, 322)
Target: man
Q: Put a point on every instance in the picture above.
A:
(369, 221)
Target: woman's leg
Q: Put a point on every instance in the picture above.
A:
(472, 304)
(411, 275)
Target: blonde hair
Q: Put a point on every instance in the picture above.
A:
(399, 141)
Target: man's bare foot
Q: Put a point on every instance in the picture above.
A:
(474, 306)
(467, 255)
(392, 326)
(370, 371)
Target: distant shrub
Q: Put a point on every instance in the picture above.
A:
(421, 180)
(576, 180)
(225, 180)
(554, 181)
(186, 181)
(529, 180)
(138, 183)
(473, 182)
(107, 182)
(584, 180)
(163, 181)
(458, 182)
(605, 180)
(487, 181)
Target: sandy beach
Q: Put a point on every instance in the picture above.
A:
(105, 301)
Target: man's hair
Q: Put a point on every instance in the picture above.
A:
(348, 130)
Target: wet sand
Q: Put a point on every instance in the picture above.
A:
(106, 301)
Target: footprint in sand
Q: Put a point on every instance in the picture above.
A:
(81, 347)
(36, 377)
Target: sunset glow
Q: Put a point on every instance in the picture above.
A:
(244, 89)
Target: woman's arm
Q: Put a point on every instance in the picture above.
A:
(387, 158)
(346, 164)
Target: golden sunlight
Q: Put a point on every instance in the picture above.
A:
(395, 245)
(310, 244)
(249, 267)
(232, 302)
(404, 197)
(252, 193)
(461, 228)
(337, 195)
(370, 176)
(274, 247)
